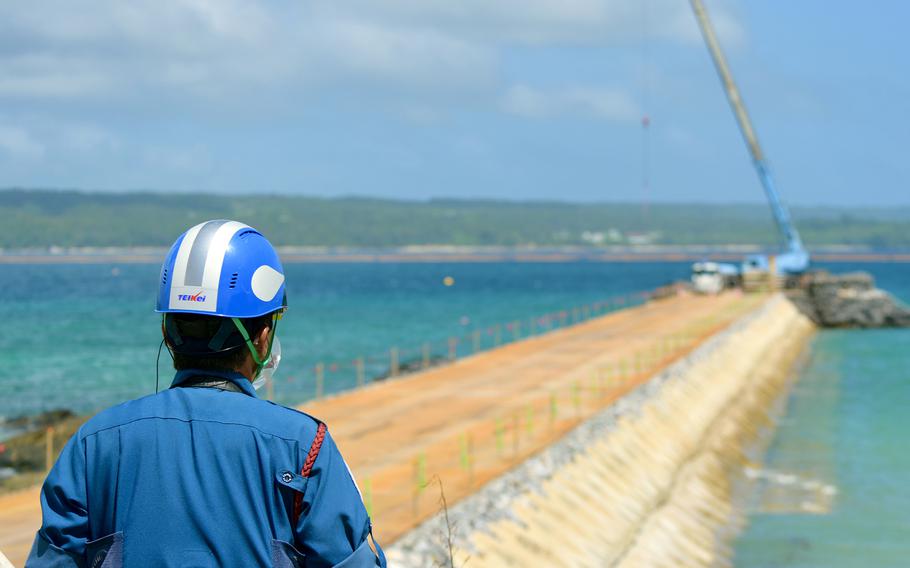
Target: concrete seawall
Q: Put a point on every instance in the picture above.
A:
(651, 481)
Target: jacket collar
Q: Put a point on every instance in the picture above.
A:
(236, 378)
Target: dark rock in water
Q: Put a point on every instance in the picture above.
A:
(47, 418)
(848, 300)
(27, 451)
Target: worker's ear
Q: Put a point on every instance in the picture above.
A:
(262, 342)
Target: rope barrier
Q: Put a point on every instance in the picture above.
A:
(339, 375)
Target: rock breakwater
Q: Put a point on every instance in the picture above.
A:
(649, 481)
(848, 300)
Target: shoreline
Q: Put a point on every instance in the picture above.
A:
(453, 254)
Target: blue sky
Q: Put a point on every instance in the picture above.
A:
(513, 99)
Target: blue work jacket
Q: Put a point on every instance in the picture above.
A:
(202, 477)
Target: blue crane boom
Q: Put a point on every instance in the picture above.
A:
(794, 259)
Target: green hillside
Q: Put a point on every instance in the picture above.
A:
(39, 218)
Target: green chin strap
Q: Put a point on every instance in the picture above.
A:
(260, 363)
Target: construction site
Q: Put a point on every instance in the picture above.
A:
(452, 430)
(626, 436)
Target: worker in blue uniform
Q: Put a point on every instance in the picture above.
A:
(206, 474)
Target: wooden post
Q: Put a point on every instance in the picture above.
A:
(320, 379)
(358, 365)
(426, 356)
(393, 362)
(453, 348)
(49, 448)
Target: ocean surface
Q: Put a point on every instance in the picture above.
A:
(83, 337)
(845, 427)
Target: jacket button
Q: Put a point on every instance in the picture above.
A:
(286, 477)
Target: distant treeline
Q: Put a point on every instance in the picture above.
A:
(42, 218)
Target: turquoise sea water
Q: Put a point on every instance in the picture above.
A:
(846, 425)
(86, 336)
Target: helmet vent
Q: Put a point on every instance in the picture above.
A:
(164, 277)
(233, 283)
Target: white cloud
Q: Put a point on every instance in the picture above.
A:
(86, 138)
(230, 49)
(573, 22)
(602, 103)
(421, 57)
(196, 158)
(34, 137)
(19, 143)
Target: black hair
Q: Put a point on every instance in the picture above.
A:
(198, 328)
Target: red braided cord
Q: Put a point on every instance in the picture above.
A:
(308, 468)
(314, 451)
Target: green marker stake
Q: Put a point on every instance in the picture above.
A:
(420, 481)
(420, 477)
(516, 425)
(368, 496)
(500, 436)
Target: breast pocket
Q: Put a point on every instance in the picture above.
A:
(105, 552)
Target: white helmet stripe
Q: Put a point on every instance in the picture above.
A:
(178, 278)
(197, 266)
(199, 254)
(215, 255)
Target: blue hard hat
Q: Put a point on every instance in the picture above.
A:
(222, 268)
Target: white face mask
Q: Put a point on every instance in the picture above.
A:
(271, 366)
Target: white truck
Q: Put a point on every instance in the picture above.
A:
(713, 277)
